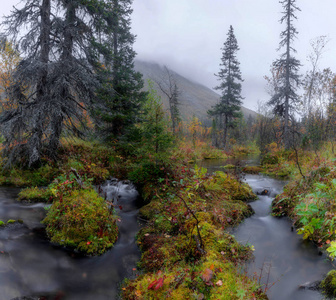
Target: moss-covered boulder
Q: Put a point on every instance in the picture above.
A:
(328, 285)
(83, 221)
(252, 169)
(35, 194)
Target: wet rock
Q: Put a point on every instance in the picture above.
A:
(310, 285)
(264, 192)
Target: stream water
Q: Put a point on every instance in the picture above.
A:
(283, 260)
(31, 267)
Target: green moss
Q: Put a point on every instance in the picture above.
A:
(28, 177)
(270, 159)
(229, 167)
(237, 190)
(328, 285)
(10, 221)
(82, 221)
(252, 169)
(35, 194)
(2, 223)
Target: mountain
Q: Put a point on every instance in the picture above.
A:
(195, 98)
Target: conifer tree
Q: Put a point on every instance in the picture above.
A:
(284, 100)
(56, 80)
(228, 108)
(120, 96)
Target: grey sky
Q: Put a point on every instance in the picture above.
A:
(187, 35)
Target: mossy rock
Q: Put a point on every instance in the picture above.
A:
(228, 167)
(252, 169)
(35, 194)
(82, 221)
(328, 285)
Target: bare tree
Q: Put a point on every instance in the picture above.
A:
(318, 46)
(169, 87)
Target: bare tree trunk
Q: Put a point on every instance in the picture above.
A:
(41, 87)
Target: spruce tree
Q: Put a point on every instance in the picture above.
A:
(228, 108)
(55, 80)
(284, 100)
(120, 96)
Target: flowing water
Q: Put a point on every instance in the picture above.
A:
(30, 266)
(283, 260)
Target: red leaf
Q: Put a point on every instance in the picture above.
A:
(156, 284)
(159, 283)
(151, 286)
(207, 275)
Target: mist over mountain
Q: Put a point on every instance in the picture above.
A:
(195, 98)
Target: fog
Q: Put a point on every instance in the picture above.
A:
(187, 36)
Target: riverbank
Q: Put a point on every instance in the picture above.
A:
(185, 248)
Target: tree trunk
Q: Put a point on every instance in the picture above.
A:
(41, 87)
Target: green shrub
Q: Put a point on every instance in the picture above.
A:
(82, 220)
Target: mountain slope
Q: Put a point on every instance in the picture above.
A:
(195, 99)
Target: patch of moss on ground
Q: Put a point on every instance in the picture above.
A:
(252, 169)
(83, 221)
(226, 183)
(35, 194)
(328, 285)
(28, 177)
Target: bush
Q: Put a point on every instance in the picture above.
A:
(82, 220)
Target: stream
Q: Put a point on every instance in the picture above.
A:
(31, 267)
(283, 261)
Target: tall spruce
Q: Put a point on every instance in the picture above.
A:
(54, 82)
(120, 96)
(284, 100)
(228, 108)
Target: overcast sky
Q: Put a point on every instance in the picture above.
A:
(187, 36)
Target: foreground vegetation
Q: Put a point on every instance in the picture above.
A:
(186, 252)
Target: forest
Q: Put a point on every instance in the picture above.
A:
(110, 190)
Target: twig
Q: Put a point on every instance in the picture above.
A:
(199, 242)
